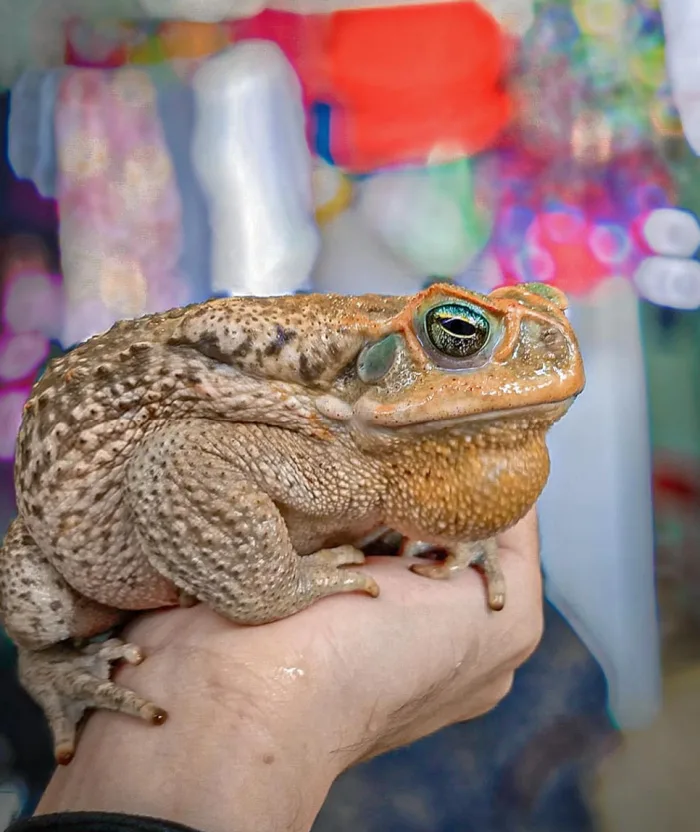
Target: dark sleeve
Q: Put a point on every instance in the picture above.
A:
(96, 822)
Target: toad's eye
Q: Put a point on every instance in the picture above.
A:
(456, 329)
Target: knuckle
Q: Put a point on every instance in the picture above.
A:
(531, 632)
(502, 688)
(535, 636)
(490, 696)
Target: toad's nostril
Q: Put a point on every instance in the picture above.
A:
(549, 336)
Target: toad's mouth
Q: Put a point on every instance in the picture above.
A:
(542, 414)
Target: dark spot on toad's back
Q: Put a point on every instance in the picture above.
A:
(25, 455)
(307, 370)
(243, 348)
(209, 345)
(282, 336)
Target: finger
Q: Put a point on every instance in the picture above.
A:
(523, 538)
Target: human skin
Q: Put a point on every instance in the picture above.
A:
(263, 719)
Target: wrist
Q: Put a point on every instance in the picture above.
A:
(241, 750)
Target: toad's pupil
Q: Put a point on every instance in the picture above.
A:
(457, 330)
(459, 327)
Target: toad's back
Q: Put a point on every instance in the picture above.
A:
(150, 367)
(186, 362)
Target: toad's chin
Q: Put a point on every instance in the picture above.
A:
(531, 416)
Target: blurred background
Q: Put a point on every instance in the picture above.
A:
(160, 152)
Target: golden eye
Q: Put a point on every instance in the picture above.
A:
(456, 329)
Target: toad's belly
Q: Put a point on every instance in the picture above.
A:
(308, 534)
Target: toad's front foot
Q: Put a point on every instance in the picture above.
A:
(325, 575)
(65, 682)
(482, 556)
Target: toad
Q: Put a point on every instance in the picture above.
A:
(240, 453)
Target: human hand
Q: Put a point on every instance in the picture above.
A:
(264, 719)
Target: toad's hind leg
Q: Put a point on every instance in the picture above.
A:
(41, 613)
(220, 538)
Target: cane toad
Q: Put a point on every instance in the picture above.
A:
(239, 451)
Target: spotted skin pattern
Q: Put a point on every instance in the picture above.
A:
(237, 452)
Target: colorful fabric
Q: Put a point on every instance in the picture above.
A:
(121, 213)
